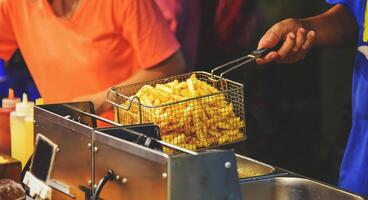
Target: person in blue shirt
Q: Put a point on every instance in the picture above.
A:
(344, 23)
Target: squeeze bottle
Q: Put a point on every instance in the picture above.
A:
(20, 131)
(8, 106)
(29, 122)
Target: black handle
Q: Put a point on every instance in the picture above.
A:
(108, 177)
(260, 52)
(264, 51)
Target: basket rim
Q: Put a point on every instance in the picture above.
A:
(185, 74)
(134, 98)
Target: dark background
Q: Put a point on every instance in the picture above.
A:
(298, 115)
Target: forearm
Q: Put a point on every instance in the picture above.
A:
(173, 65)
(335, 27)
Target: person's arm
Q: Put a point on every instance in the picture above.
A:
(335, 27)
(157, 51)
(173, 65)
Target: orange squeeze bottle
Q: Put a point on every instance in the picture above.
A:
(8, 106)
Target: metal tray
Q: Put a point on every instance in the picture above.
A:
(257, 170)
(292, 188)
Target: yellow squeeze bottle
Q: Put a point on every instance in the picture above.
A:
(21, 131)
(29, 120)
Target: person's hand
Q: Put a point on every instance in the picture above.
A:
(98, 100)
(297, 41)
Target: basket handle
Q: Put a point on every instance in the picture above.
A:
(112, 90)
(244, 60)
(232, 65)
(132, 131)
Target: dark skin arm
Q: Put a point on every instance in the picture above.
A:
(333, 28)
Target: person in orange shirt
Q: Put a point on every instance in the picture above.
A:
(77, 49)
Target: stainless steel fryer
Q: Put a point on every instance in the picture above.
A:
(86, 154)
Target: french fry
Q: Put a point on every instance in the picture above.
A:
(191, 87)
(215, 133)
(173, 83)
(194, 124)
(164, 88)
(181, 86)
(180, 139)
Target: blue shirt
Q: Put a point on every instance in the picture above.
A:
(354, 167)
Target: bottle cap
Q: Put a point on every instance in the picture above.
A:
(39, 101)
(11, 100)
(25, 107)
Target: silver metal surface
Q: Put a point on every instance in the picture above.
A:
(290, 188)
(129, 147)
(42, 113)
(140, 167)
(252, 168)
(227, 165)
(87, 154)
(57, 185)
(144, 173)
(171, 146)
(124, 180)
(203, 177)
(164, 175)
(72, 165)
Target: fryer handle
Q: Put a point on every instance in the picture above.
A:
(232, 64)
(264, 51)
(113, 90)
(245, 59)
(166, 144)
(261, 52)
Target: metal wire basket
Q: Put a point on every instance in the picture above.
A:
(205, 119)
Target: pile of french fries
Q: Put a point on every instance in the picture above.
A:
(193, 124)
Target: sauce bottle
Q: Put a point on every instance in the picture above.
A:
(8, 106)
(29, 140)
(20, 131)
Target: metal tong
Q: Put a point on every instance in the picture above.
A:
(149, 139)
(243, 60)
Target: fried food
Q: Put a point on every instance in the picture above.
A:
(191, 114)
(247, 173)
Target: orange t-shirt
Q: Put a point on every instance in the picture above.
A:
(102, 44)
